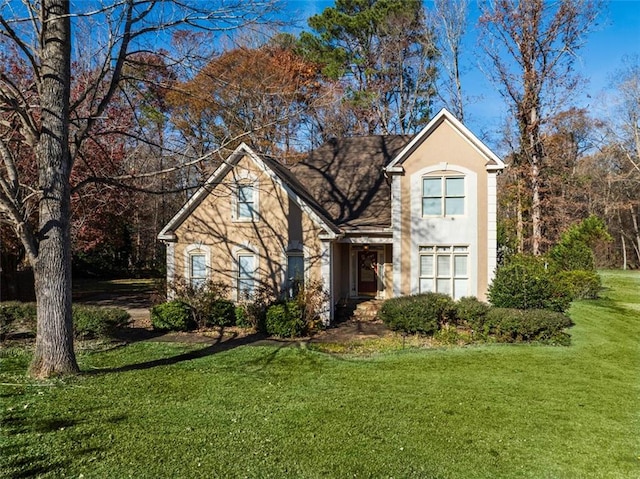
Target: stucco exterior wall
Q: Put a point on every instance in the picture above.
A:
(280, 226)
(445, 152)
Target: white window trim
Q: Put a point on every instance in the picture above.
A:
(196, 248)
(451, 253)
(443, 197)
(449, 230)
(244, 249)
(245, 177)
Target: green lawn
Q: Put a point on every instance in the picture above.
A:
(493, 411)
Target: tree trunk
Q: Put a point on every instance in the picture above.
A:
(54, 352)
(536, 209)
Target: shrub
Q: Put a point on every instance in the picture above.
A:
(222, 312)
(525, 282)
(242, 316)
(15, 315)
(311, 300)
(205, 302)
(285, 320)
(581, 284)
(422, 313)
(574, 251)
(517, 325)
(172, 316)
(91, 322)
(473, 312)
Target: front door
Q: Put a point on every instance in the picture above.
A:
(367, 273)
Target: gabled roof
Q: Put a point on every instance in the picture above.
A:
(270, 166)
(346, 178)
(493, 161)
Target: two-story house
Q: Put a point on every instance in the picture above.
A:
(373, 216)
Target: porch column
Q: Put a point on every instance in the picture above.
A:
(396, 226)
(326, 268)
(171, 268)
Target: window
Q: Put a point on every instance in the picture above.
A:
(443, 196)
(444, 269)
(295, 274)
(197, 269)
(246, 273)
(245, 202)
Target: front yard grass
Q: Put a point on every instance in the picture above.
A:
(494, 411)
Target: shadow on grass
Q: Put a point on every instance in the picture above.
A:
(19, 461)
(218, 346)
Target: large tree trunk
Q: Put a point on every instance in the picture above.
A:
(54, 352)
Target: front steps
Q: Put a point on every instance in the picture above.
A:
(358, 310)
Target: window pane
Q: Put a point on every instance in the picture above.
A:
(460, 249)
(245, 210)
(245, 266)
(431, 206)
(198, 266)
(454, 206)
(245, 288)
(460, 288)
(426, 285)
(295, 267)
(431, 187)
(426, 265)
(460, 266)
(454, 186)
(444, 266)
(246, 270)
(245, 193)
(443, 286)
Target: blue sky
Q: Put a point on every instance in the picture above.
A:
(617, 35)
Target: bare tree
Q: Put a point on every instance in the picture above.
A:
(43, 130)
(531, 47)
(450, 18)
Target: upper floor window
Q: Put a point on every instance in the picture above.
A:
(246, 206)
(443, 196)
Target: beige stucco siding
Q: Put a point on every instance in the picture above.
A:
(445, 152)
(280, 225)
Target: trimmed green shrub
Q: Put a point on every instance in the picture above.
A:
(91, 322)
(473, 312)
(422, 313)
(222, 312)
(525, 282)
(581, 284)
(518, 325)
(15, 315)
(242, 317)
(285, 320)
(172, 316)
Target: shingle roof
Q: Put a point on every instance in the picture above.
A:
(345, 178)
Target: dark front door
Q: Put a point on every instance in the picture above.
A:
(367, 273)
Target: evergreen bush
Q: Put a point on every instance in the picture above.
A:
(91, 322)
(517, 325)
(172, 316)
(581, 284)
(222, 312)
(525, 282)
(472, 312)
(422, 313)
(15, 315)
(285, 320)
